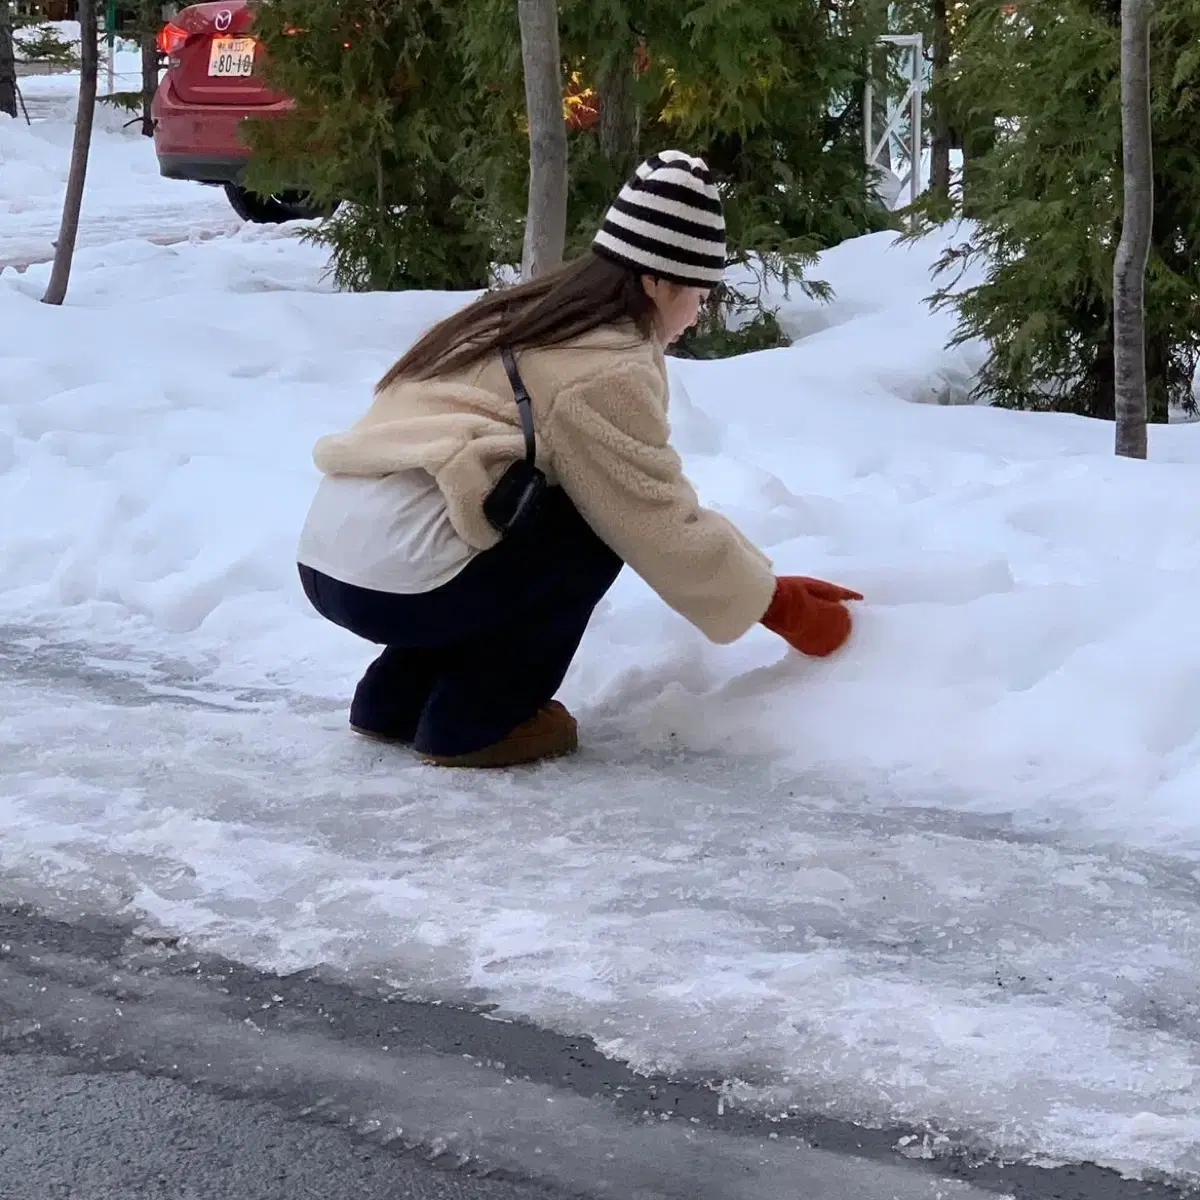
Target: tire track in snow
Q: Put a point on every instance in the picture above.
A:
(31, 251)
(177, 211)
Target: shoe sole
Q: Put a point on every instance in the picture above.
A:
(488, 758)
(513, 754)
(386, 739)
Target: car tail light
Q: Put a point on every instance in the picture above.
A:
(171, 39)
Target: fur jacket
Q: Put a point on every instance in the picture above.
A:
(600, 415)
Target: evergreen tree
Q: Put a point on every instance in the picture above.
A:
(770, 94)
(415, 114)
(1047, 201)
(385, 123)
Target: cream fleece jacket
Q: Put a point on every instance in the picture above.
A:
(600, 415)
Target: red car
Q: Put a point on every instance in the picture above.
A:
(210, 84)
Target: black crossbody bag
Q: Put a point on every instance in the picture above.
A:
(514, 502)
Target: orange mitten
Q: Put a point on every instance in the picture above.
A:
(810, 614)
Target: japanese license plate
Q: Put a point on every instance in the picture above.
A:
(231, 57)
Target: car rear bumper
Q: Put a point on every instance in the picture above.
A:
(203, 141)
(202, 168)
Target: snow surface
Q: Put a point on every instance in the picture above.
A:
(125, 195)
(948, 876)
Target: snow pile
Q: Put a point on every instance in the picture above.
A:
(1025, 643)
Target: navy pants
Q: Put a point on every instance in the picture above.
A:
(465, 664)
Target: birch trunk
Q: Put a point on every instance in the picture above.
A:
(618, 114)
(64, 248)
(1129, 266)
(8, 63)
(151, 16)
(939, 146)
(546, 212)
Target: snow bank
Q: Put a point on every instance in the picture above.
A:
(1024, 645)
(125, 195)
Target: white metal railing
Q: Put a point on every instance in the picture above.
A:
(910, 106)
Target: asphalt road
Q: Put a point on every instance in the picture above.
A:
(132, 1069)
(78, 1135)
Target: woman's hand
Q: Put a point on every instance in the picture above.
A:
(810, 614)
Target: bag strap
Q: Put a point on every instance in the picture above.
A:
(524, 403)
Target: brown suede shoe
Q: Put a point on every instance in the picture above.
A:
(550, 733)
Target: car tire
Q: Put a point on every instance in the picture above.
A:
(276, 209)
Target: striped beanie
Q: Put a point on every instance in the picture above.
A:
(667, 221)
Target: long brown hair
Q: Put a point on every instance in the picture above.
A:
(576, 298)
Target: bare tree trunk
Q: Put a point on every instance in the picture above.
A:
(64, 248)
(1129, 266)
(546, 215)
(151, 16)
(978, 142)
(8, 64)
(618, 114)
(939, 148)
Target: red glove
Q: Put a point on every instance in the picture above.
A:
(810, 614)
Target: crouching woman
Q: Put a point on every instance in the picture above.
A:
(479, 621)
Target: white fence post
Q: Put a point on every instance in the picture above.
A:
(912, 105)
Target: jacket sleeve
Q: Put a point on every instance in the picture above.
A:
(608, 441)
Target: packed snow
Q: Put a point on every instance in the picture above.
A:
(946, 877)
(125, 195)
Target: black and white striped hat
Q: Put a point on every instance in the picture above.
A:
(667, 221)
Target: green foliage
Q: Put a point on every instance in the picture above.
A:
(768, 93)
(1046, 199)
(419, 122)
(715, 336)
(737, 318)
(130, 102)
(382, 122)
(43, 43)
